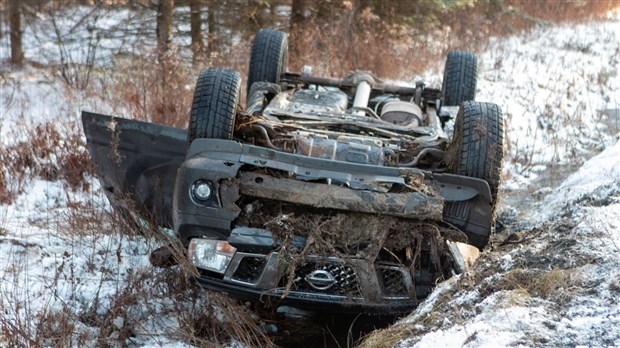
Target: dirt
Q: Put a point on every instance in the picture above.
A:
(529, 263)
(539, 265)
(367, 234)
(415, 244)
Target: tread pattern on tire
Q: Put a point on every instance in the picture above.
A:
(460, 78)
(480, 129)
(478, 141)
(214, 106)
(269, 57)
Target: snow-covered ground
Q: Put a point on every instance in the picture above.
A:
(66, 268)
(552, 277)
(554, 284)
(560, 91)
(551, 281)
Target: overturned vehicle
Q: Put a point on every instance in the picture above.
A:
(349, 194)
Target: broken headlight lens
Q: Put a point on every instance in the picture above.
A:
(212, 255)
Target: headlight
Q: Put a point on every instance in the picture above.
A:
(212, 255)
(201, 191)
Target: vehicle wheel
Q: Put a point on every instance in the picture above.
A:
(214, 107)
(460, 76)
(479, 139)
(269, 57)
(477, 151)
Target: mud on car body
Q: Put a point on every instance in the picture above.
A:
(345, 194)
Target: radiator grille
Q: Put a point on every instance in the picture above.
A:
(327, 278)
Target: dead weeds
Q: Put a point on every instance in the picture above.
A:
(553, 284)
(49, 153)
(141, 89)
(370, 237)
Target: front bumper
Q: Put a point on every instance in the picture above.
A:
(327, 284)
(225, 163)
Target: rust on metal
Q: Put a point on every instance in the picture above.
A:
(413, 205)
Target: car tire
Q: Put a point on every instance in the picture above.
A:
(479, 137)
(269, 58)
(477, 151)
(214, 106)
(460, 77)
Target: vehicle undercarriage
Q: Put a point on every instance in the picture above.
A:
(346, 194)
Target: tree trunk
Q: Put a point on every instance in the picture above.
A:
(297, 12)
(15, 27)
(297, 26)
(164, 43)
(164, 26)
(211, 30)
(196, 31)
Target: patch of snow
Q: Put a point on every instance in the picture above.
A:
(553, 86)
(585, 234)
(427, 306)
(48, 266)
(598, 179)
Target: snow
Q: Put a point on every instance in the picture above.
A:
(597, 179)
(52, 268)
(546, 83)
(496, 327)
(84, 33)
(580, 226)
(554, 84)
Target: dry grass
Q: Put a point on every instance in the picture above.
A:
(388, 338)
(346, 38)
(554, 281)
(516, 286)
(56, 154)
(142, 301)
(142, 88)
(402, 41)
(533, 282)
(49, 152)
